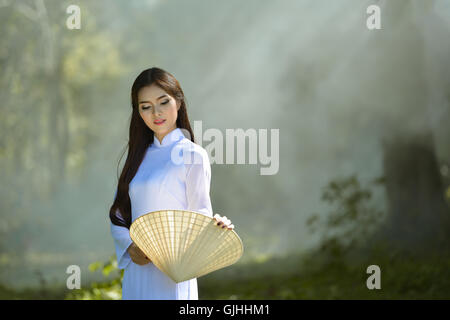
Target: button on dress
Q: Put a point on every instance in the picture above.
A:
(164, 180)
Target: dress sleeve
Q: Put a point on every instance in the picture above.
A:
(198, 182)
(122, 241)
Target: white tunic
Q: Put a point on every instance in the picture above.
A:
(163, 182)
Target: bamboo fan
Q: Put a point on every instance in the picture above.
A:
(185, 244)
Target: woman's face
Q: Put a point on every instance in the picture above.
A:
(155, 105)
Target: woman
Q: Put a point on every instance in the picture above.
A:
(151, 180)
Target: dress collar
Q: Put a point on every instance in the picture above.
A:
(170, 138)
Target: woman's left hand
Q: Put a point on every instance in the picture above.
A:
(223, 222)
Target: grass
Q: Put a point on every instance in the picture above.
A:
(401, 278)
(312, 277)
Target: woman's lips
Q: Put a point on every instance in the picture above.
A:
(159, 122)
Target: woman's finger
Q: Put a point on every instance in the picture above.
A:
(141, 261)
(141, 253)
(222, 222)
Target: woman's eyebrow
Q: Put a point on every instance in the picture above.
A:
(156, 99)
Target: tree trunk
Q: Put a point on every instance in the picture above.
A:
(418, 217)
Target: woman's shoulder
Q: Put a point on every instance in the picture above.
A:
(196, 151)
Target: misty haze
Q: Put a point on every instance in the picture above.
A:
(362, 118)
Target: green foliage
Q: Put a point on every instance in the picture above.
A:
(401, 278)
(50, 80)
(351, 221)
(299, 277)
(322, 273)
(109, 289)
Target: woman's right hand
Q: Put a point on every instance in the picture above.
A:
(223, 222)
(137, 255)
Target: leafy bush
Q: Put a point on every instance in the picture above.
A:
(109, 289)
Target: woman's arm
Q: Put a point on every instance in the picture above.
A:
(198, 182)
(122, 241)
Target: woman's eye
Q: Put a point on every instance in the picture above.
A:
(148, 107)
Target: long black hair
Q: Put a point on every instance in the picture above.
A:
(141, 136)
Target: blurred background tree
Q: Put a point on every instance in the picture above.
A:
(352, 222)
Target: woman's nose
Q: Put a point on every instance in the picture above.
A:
(156, 110)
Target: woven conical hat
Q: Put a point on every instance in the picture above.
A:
(185, 244)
